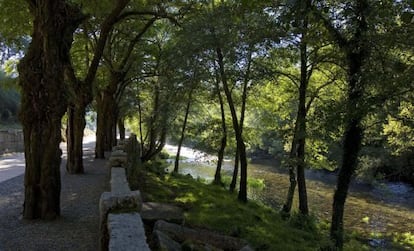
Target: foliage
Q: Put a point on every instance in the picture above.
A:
(368, 169)
(15, 29)
(9, 99)
(398, 128)
(405, 239)
(304, 222)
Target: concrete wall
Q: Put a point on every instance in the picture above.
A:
(11, 140)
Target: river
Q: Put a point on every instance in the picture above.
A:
(375, 211)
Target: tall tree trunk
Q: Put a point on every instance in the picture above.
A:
(220, 158)
(303, 198)
(75, 128)
(242, 196)
(297, 152)
(223, 142)
(180, 143)
(100, 131)
(140, 124)
(84, 88)
(235, 175)
(44, 101)
(352, 144)
(79, 97)
(356, 50)
(112, 126)
(107, 115)
(301, 117)
(154, 127)
(242, 115)
(121, 128)
(105, 124)
(287, 207)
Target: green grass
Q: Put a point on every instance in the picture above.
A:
(404, 239)
(214, 208)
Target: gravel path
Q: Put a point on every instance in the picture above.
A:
(78, 226)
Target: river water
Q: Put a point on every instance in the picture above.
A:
(373, 210)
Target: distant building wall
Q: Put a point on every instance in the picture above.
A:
(11, 140)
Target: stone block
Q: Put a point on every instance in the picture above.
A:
(164, 242)
(110, 202)
(118, 153)
(118, 161)
(153, 211)
(126, 232)
(119, 183)
(181, 234)
(118, 148)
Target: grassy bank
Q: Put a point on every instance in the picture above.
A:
(213, 207)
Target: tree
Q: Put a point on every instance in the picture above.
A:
(158, 93)
(44, 101)
(356, 50)
(223, 141)
(119, 59)
(15, 29)
(81, 92)
(301, 37)
(119, 63)
(181, 141)
(241, 147)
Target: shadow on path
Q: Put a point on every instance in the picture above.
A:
(78, 226)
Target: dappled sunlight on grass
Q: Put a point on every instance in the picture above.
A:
(213, 207)
(186, 198)
(404, 238)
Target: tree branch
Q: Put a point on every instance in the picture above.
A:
(106, 28)
(155, 14)
(135, 41)
(342, 41)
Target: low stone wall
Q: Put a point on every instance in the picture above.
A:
(11, 141)
(121, 226)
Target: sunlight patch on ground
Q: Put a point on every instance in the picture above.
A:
(11, 165)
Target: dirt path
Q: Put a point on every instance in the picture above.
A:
(11, 165)
(76, 229)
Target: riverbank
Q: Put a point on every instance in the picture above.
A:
(213, 208)
(379, 214)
